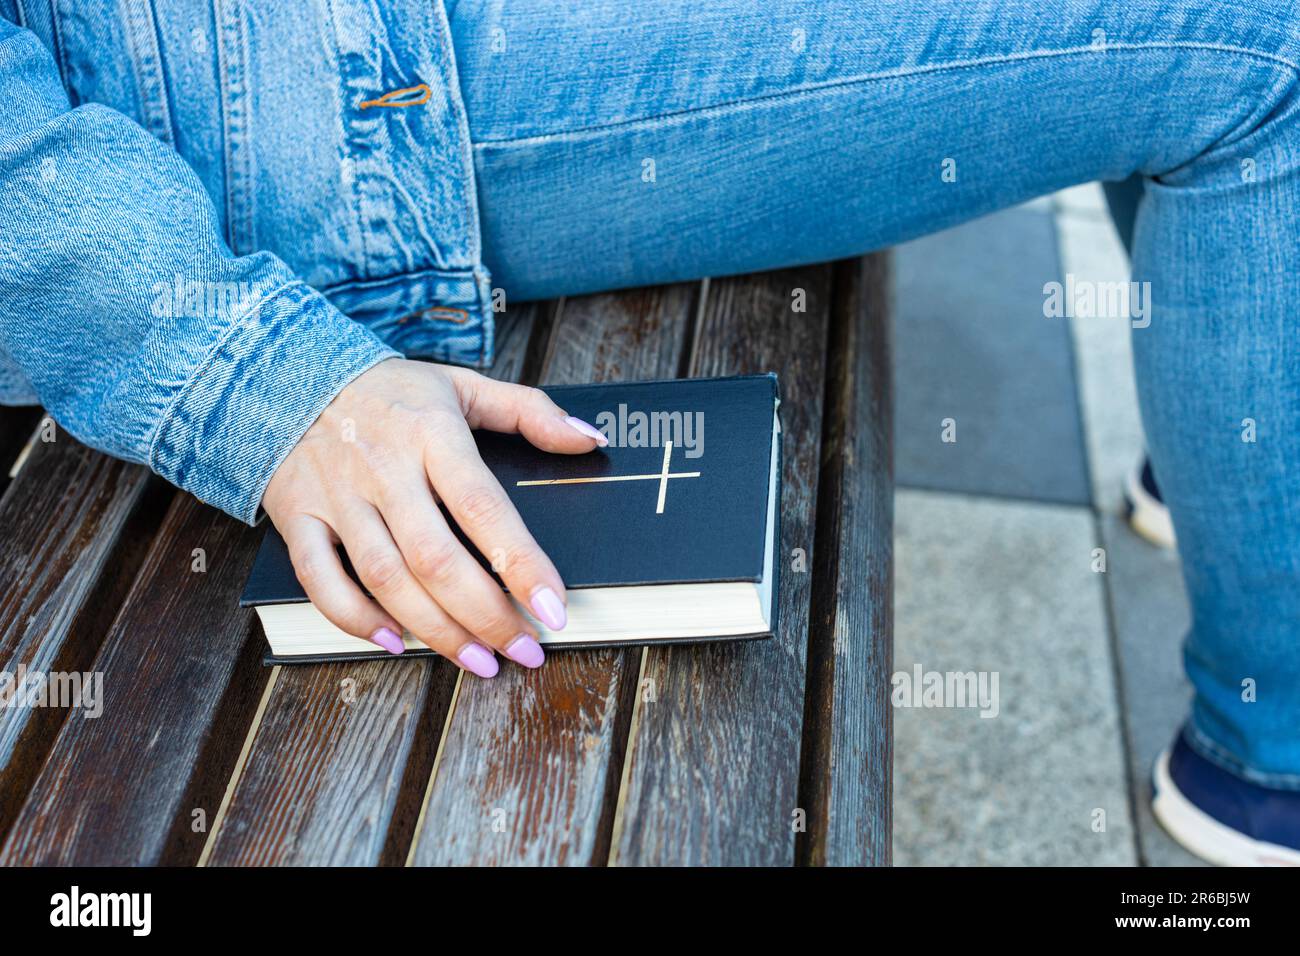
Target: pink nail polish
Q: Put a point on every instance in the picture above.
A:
(524, 650)
(389, 641)
(549, 608)
(477, 659)
(578, 425)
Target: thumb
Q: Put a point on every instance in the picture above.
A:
(506, 407)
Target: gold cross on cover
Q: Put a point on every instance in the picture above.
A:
(661, 476)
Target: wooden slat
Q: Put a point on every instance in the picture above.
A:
(848, 729)
(338, 748)
(531, 759)
(339, 764)
(74, 526)
(181, 678)
(714, 763)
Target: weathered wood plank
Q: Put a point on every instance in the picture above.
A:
(338, 768)
(848, 727)
(335, 750)
(181, 681)
(74, 526)
(714, 762)
(531, 759)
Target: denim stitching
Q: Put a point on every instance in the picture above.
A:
(400, 99)
(650, 122)
(143, 48)
(465, 147)
(447, 275)
(235, 325)
(1222, 758)
(60, 56)
(347, 131)
(233, 79)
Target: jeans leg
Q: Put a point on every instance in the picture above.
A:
(622, 144)
(1219, 386)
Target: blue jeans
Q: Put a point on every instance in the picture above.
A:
(621, 144)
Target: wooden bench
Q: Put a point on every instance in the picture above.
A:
(772, 752)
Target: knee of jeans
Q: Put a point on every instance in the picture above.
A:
(1245, 124)
(1266, 144)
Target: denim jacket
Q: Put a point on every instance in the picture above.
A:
(217, 214)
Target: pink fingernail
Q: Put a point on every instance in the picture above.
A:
(477, 659)
(524, 650)
(578, 425)
(549, 608)
(389, 641)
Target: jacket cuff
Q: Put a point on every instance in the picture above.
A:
(254, 395)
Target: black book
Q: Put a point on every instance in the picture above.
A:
(666, 536)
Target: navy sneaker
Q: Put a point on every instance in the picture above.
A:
(1145, 509)
(1222, 818)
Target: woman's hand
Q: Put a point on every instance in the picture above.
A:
(369, 473)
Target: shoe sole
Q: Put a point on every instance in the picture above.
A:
(1146, 515)
(1199, 833)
